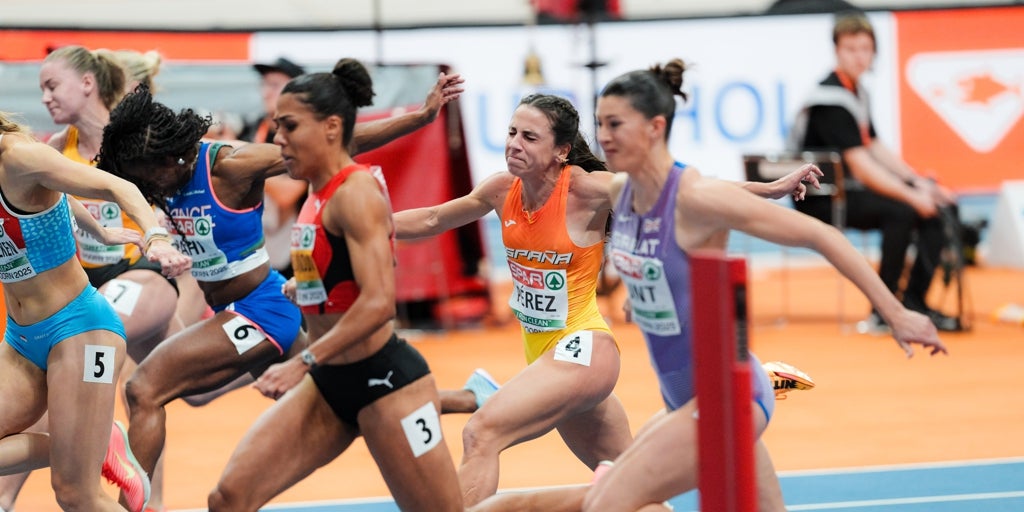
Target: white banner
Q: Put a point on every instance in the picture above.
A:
(748, 78)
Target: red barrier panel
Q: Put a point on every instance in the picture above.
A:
(725, 425)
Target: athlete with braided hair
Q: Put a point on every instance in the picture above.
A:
(212, 194)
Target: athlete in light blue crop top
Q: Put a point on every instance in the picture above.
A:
(32, 243)
(64, 344)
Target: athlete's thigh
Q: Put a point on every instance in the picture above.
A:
(769, 491)
(27, 382)
(203, 357)
(548, 391)
(657, 466)
(191, 303)
(145, 301)
(82, 375)
(296, 435)
(599, 433)
(403, 433)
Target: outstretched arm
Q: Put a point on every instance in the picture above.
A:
(791, 184)
(109, 236)
(374, 134)
(39, 163)
(711, 206)
(434, 220)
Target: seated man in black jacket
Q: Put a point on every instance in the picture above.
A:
(883, 191)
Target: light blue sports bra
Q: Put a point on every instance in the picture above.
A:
(32, 243)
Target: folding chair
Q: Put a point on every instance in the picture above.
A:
(767, 167)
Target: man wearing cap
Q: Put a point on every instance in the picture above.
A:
(282, 195)
(273, 77)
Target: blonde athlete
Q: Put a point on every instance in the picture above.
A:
(64, 344)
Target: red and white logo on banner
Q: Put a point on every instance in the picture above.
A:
(979, 94)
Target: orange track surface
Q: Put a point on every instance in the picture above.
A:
(871, 406)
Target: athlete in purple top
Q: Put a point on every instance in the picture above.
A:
(634, 115)
(657, 271)
(665, 212)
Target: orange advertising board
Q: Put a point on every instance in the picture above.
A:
(962, 94)
(29, 45)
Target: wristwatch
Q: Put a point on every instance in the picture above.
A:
(308, 358)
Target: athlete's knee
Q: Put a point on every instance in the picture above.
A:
(225, 498)
(71, 494)
(139, 391)
(479, 437)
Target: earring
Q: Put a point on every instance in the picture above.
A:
(181, 161)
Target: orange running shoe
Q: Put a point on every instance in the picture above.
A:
(122, 469)
(786, 377)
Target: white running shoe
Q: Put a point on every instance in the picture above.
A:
(482, 385)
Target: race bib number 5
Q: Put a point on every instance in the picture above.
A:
(99, 364)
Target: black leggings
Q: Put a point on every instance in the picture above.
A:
(898, 223)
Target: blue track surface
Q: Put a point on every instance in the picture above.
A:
(989, 486)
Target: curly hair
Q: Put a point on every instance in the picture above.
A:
(143, 134)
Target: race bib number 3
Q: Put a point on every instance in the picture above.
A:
(422, 429)
(576, 348)
(99, 364)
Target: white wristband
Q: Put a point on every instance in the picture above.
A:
(157, 231)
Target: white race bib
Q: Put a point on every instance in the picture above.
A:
(309, 288)
(193, 237)
(422, 429)
(540, 298)
(654, 308)
(93, 251)
(575, 348)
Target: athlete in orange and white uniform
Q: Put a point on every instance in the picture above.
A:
(553, 215)
(555, 280)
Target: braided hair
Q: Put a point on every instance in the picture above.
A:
(565, 123)
(145, 136)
